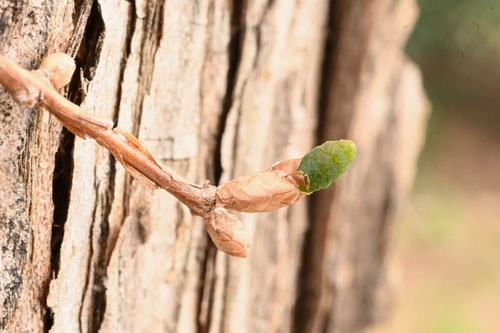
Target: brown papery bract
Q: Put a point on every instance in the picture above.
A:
(265, 191)
(228, 233)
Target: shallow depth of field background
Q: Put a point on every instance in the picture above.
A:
(447, 242)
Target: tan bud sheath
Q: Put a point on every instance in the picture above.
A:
(59, 68)
(268, 190)
(228, 233)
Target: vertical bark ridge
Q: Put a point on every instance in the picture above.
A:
(15, 229)
(63, 160)
(152, 26)
(61, 191)
(235, 48)
(151, 29)
(89, 49)
(343, 260)
(77, 293)
(31, 38)
(310, 275)
(214, 169)
(124, 206)
(99, 262)
(131, 25)
(83, 9)
(91, 22)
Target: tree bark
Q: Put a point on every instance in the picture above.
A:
(213, 89)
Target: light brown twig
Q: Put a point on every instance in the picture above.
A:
(268, 190)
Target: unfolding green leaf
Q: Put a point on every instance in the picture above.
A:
(326, 163)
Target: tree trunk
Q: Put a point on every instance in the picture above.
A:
(214, 89)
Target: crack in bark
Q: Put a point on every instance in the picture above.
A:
(96, 267)
(95, 290)
(64, 158)
(206, 295)
(131, 26)
(310, 272)
(150, 43)
(82, 13)
(128, 50)
(98, 291)
(61, 189)
(257, 30)
(89, 262)
(342, 58)
(151, 24)
(235, 50)
(209, 167)
(86, 43)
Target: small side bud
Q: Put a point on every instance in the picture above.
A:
(264, 191)
(59, 68)
(228, 233)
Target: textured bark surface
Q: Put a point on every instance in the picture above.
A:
(28, 142)
(214, 89)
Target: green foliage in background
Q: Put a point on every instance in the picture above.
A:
(451, 28)
(456, 44)
(449, 243)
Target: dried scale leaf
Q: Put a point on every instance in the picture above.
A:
(265, 191)
(228, 233)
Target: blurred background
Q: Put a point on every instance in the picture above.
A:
(447, 245)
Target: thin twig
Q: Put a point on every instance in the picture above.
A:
(267, 190)
(30, 87)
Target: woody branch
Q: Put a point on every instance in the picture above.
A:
(30, 87)
(264, 191)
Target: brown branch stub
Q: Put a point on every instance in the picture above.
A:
(273, 188)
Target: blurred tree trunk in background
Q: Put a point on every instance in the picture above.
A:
(215, 89)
